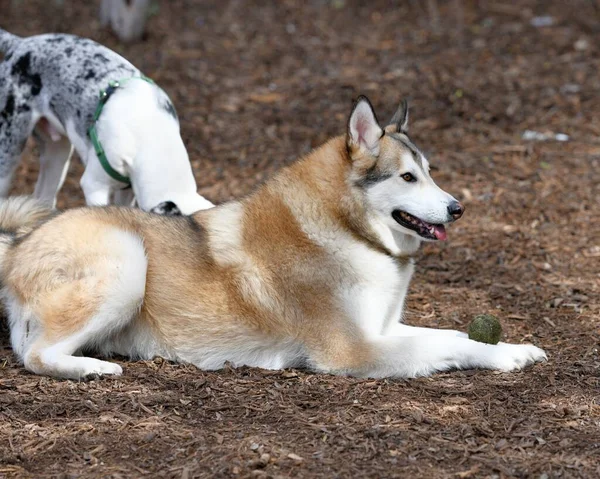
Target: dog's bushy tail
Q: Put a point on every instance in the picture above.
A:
(19, 215)
(7, 40)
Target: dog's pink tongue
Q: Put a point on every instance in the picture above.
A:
(440, 232)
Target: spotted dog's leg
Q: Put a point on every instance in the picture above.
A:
(56, 152)
(15, 128)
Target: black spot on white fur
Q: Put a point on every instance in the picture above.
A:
(22, 70)
(9, 109)
(71, 70)
(169, 108)
(166, 208)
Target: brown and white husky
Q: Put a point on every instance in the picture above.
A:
(310, 270)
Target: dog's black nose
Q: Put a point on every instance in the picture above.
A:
(456, 210)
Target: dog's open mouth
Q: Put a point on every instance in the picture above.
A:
(422, 228)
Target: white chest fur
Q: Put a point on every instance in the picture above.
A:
(373, 296)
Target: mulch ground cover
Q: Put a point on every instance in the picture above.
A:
(258, 84)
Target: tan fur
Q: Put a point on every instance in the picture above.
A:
(19, 215)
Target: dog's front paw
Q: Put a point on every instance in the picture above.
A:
(512, 357)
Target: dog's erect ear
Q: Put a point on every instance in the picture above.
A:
(400, 118)
(364, 131)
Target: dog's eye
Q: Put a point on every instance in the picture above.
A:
(408, 177)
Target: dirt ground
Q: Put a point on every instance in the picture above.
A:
(258, 84)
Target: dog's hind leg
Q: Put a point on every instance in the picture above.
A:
(83, 307)
(11, 148)
(55, 156)
(16, 123)
(59, 359)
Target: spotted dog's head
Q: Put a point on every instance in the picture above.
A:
(166, 208)
(393, 175)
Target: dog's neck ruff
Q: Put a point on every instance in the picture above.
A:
(93, 134)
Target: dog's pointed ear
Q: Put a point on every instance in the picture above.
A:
(400, 118)
(364, 131)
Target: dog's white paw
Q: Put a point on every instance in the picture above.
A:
(511, 357)
(91, 368)
(110, 368)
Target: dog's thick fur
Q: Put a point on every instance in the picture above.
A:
(310, 270)
(49, 87)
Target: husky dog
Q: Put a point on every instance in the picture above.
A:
(310, 270)
(49, 87)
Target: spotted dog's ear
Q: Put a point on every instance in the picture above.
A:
(364, 131)
(166, 208)
(400, 118)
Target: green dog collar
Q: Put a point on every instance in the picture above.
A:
(93, 134)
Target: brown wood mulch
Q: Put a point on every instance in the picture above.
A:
(257, 84)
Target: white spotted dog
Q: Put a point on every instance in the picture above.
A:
(310, 270)
(128, 138)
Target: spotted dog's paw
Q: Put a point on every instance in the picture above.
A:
(166, 208)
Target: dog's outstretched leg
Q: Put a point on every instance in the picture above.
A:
(412, 356)
(423, 355)
(55, 156)
(81, 308)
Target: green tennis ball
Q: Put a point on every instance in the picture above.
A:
(485, 328)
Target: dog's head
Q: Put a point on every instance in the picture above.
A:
(393, 175)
